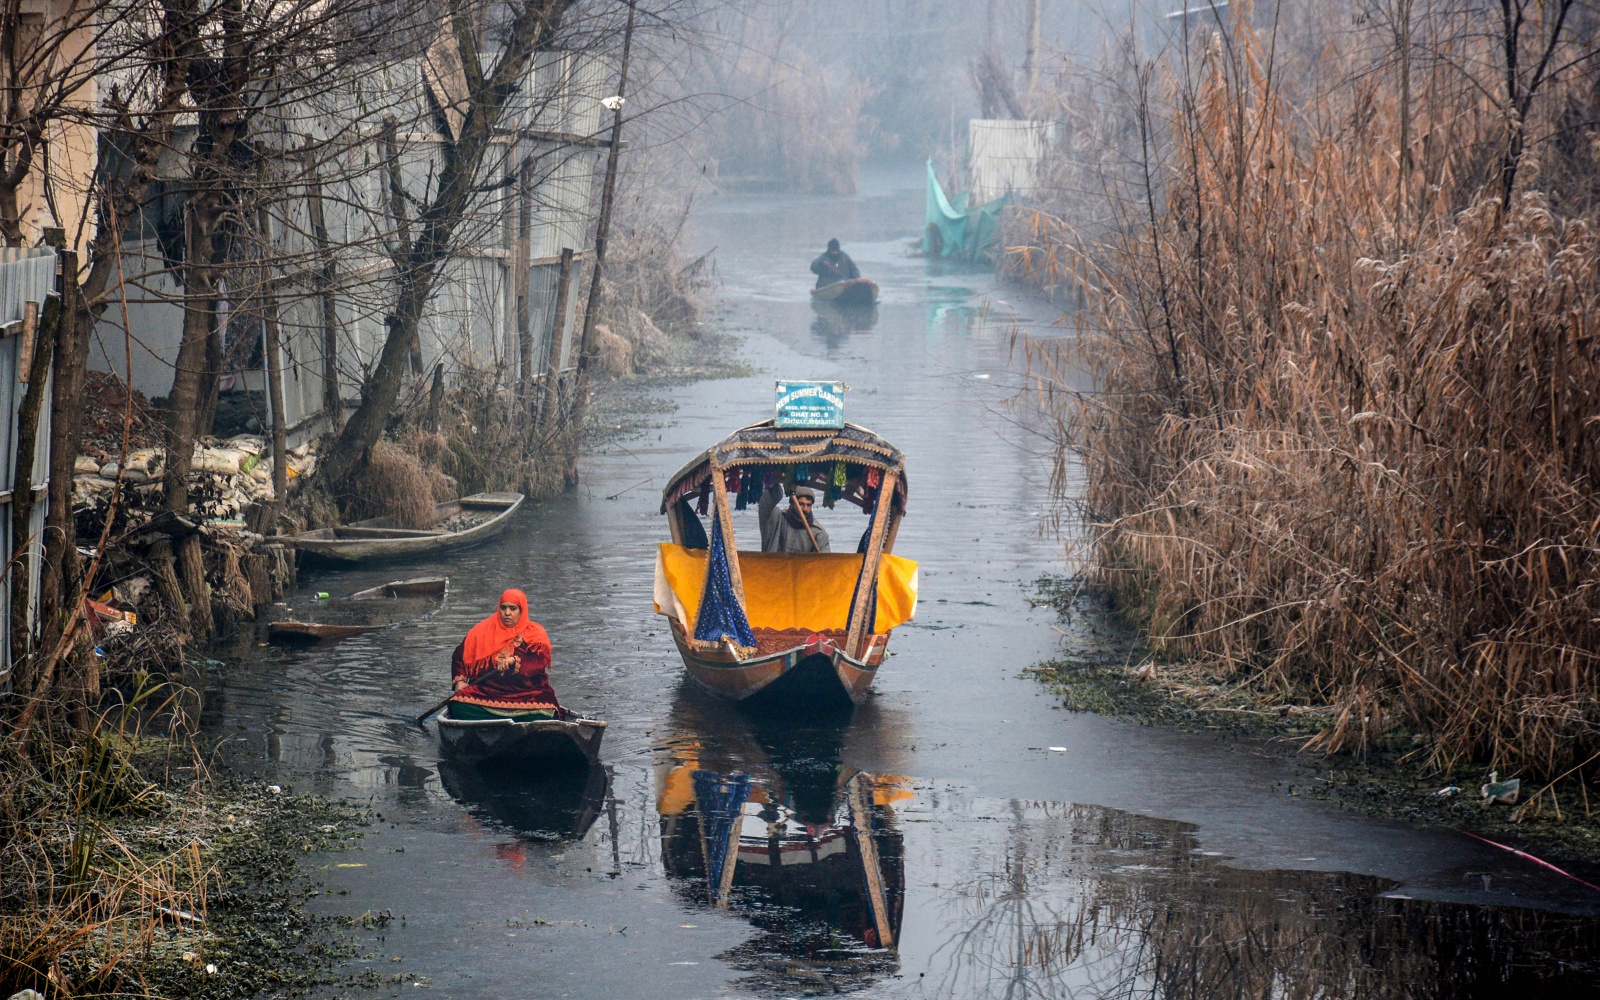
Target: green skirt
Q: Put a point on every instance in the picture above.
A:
(459, 710)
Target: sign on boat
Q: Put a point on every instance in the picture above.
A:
(810, 404)
(811, 627)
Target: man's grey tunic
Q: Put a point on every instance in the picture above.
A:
(778, 535)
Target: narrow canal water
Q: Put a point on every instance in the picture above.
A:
(937, 818)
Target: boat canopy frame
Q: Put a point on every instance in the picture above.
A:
(765, 444)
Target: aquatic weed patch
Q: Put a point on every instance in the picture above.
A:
(258, 938)
(125, 870)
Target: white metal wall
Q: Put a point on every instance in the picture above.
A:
(26, 275)
(1004, 155)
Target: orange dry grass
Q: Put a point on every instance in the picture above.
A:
(1344, 441)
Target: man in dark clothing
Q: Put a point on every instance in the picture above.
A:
(835, 265)
(790, 530)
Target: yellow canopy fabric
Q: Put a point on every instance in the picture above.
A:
(789, 590)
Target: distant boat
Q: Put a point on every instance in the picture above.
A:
(853, 292)
(506, 740)
(456, 524)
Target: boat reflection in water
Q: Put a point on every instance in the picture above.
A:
(822, 877)
(559, 804)
(834, 324)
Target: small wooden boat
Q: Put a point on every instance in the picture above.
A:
(293, 631)
(456, 524)
(422, 586)
(791, 628)
(851, 292)
(505, 740)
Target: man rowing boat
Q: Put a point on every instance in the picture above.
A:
(501, 670)
(791, 530)
(834, 265)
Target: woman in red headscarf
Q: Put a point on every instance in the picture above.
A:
(501, 669)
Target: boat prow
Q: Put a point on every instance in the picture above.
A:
(851, 292)
(814, 670)
(574, 740)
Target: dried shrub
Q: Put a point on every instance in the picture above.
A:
(396, 483)
(82, 906)
(1342, 444)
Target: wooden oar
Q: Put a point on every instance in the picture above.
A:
(424, 716)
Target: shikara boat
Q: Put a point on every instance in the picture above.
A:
(456, 524)
(851, 292)
(574, 740)
(793, 627)
(308, 632)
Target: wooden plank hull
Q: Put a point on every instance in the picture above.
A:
(816, 674)
(507, 740)
(424, 586)
(308, 632)
(376, 540)
(855, 292)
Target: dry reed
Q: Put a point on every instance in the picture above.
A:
(82, 904)
(1342, 443)
(396, 483)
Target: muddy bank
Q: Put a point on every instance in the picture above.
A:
(1102, 667)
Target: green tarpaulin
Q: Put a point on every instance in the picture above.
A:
(957, 229)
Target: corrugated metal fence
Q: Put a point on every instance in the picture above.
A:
(26, 275)
(1004, 155)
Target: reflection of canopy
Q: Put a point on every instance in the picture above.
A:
(720, 800)
(789, 591)
(763, 444)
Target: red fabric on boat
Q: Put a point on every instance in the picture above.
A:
(778, 640)
(506, 668)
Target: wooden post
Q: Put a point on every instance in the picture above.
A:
(66, 420)
(273, 356)
(280, 431)
(518, 275)
(558, 344)
(719, 499)
(436, 397)
(602, 228)
(30, 332)
(869, 565)
(326, 279)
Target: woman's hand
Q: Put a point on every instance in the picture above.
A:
(460, 683)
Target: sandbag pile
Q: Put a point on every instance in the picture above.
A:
(225, 476)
